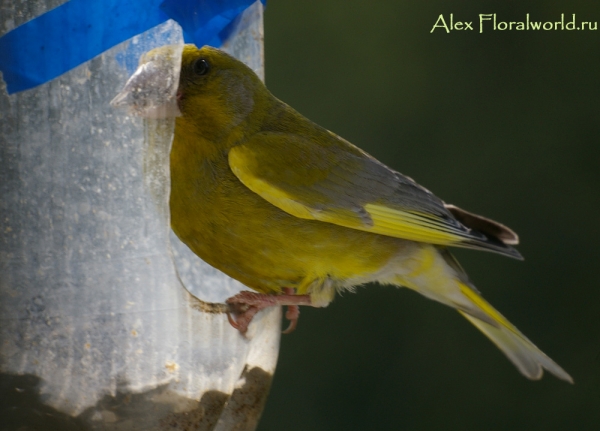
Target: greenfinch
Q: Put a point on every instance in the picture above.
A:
(297, 213)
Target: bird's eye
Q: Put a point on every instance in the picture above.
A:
(201, 67)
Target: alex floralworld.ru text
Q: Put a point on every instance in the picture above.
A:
(489, 21)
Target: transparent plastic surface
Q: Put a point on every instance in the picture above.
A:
(97, 330)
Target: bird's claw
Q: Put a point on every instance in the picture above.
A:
(244, 306)
(292, 314)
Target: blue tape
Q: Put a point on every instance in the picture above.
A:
(79, 30)
(206, 22)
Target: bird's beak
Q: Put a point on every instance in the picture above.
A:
(151, 92)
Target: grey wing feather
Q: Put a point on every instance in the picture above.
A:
(354, 188)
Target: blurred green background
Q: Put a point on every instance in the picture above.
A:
(504, 124)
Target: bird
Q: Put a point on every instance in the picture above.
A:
(297, 214)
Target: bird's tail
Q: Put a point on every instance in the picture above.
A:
(528, 359)
(434, 273)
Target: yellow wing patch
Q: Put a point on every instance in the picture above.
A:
(412, 226)
(267, 191)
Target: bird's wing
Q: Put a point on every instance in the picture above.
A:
(336, 182)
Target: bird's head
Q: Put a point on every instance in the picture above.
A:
(214, 89)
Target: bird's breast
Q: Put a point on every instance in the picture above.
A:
(237, 231)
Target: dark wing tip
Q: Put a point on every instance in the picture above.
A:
(494, 236)
(503, 249)
(486, 226)
(491, 244)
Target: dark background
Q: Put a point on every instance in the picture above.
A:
(504, 124)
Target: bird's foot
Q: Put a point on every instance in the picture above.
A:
(245, 305)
